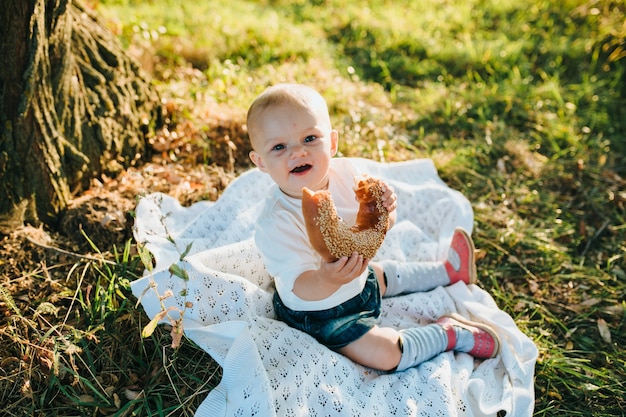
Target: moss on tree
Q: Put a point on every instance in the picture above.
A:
(73, 105)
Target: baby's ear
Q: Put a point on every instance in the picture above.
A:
(334, 142)
(257, 160)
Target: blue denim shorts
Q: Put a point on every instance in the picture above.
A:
(341, 325)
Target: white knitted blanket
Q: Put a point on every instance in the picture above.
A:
(270, 369)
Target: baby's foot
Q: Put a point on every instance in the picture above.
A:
(477, 339)
(461, 264)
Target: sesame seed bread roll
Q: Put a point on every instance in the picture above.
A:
(331, 237)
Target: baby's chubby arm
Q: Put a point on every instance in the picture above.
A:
(314, 285)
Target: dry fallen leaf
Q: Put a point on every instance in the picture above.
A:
(590, 302)
(87, 399)
(605, 332)
(132, 395)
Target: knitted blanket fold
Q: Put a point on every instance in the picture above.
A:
(270, 369)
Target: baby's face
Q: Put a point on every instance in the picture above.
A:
(294, 146)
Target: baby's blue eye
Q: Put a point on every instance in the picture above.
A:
(310, 138)
(278, 147)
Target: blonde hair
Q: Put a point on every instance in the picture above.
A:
(298, 95)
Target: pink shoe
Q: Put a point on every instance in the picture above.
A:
(486, 343)
(463, 265)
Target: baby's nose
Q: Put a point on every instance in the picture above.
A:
(298, 151)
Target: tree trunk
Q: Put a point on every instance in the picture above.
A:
(72, 106)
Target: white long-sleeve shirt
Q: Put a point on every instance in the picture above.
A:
(282, 239)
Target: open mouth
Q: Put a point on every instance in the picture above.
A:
(301, 168)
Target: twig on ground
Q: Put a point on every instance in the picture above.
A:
(70, 253)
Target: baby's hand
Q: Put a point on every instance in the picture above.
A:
(345, 269)
(389, 197)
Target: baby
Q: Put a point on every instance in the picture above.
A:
(339, 302)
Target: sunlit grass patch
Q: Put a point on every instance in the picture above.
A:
(204, 34)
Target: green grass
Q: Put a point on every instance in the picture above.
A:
(522, 106)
